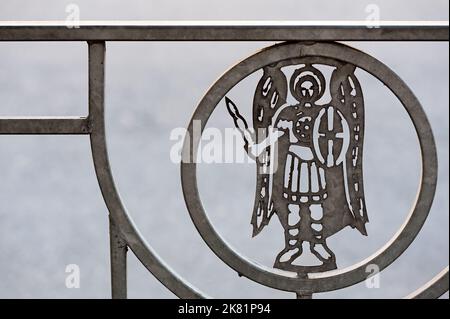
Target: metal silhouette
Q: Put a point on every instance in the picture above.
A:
(309, 158)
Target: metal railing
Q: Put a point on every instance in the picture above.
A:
(123, 232)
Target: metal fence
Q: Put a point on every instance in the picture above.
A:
(123, 232)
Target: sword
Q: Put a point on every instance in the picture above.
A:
(239, 122)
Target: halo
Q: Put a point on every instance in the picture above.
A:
(314, 76)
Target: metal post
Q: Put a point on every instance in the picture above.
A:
(309, 39)
(118, 247)
(118, 251)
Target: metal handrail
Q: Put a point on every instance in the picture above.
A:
(225, 31)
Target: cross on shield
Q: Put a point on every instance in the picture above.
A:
(331, 136)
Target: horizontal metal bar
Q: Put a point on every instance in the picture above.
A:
(225, 31)
(44, 125)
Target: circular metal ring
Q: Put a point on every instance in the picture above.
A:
(336, 279)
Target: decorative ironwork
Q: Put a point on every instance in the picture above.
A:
(307, 86)
(313, 181)
(344, 60)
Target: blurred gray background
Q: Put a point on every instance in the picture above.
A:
(51, 209)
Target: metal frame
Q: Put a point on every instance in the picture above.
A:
(123, 232)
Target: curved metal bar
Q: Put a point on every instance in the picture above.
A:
(433, 289)
(105, 179)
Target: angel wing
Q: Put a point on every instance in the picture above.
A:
(270, 95)
(347, 97)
